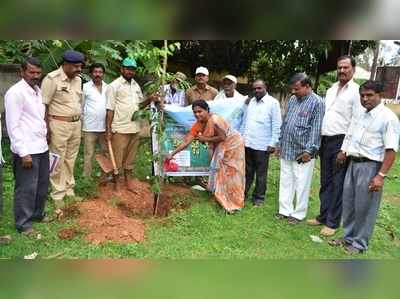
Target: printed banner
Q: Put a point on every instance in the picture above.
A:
(195, 159)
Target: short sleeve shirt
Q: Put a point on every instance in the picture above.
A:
(193, 94)
(123, 98)
(62, 94)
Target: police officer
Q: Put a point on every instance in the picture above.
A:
(62, 94)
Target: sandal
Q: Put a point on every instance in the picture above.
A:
(28, 232)
(232, 212)
(337, 242)
(293, 221)
(349, 249)
(280, 216)
(58, 214)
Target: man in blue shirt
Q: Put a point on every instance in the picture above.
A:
(299, 142)
(261, 129)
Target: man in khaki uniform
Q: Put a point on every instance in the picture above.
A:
(124, 98)
(201, 90)
(62, 93)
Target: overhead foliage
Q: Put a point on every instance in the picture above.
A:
(108, 52)
(275, 61)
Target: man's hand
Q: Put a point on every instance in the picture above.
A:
(155, 97)
(108, 136)
(376, 184)
(27, 161)
(340, 159)
(48, 136)
(304, 157)
(270, 149)
(277, 152)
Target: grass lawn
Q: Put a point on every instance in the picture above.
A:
(204, 231)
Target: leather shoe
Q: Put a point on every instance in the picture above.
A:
(313, 222)
(327, 231)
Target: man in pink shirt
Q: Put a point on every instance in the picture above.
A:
(27, 130)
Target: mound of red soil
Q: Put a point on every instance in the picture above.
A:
(119, 218)
(107, 223)
(67, 233)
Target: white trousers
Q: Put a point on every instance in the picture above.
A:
(295, 179)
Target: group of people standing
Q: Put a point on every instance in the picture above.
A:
(51, 119)
(352, 132)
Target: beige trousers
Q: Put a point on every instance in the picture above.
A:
(90, 140)
(125, 148)
(65, 141)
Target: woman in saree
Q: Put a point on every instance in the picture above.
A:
(227, 167)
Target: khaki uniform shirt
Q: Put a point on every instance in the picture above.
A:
(124, 98)
(62, 95)
(193, 94)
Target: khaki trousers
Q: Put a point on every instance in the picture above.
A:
(90, 140)
(125, 148)
(65, 141)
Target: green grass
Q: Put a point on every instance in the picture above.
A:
(204, 231)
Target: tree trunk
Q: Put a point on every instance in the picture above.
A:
(316, 84)
(375, 61)
(350, 47)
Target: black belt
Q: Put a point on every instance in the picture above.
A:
(361, 159)
(334, 137)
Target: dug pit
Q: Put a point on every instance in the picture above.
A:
(119, 219)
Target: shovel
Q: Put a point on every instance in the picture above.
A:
(105, 164)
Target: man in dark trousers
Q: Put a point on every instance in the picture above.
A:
(342, 104)
(261, 130)
(370, 146)
(27, 131)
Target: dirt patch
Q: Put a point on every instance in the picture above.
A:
(71, 211)
(119, 219)
(107, 223)
(67, 233)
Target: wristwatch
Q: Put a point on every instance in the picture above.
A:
(381, 174)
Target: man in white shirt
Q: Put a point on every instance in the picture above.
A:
(342, 104)
(229, 91)
(27, 130)
(94, 115)
(173, 94)
(370, 145)
(261, 130)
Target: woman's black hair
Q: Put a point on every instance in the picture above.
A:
(202, 104)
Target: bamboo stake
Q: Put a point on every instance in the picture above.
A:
(164, 71)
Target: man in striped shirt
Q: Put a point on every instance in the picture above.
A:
(299, 142)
